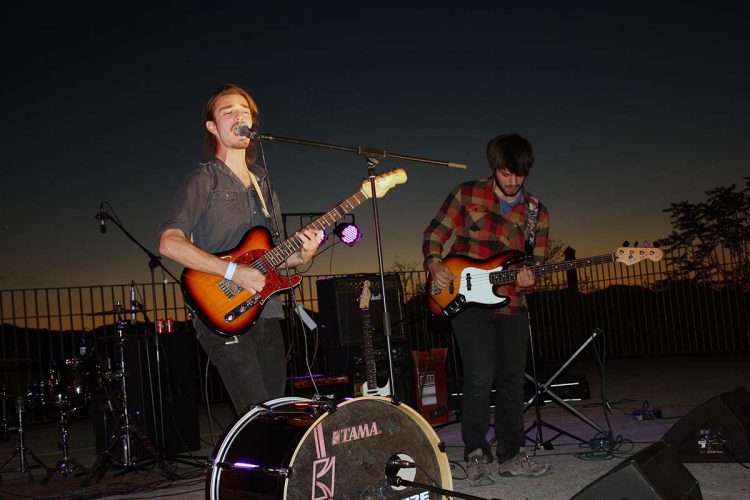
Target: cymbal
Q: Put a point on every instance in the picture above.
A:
(115, 311)
(107, 338)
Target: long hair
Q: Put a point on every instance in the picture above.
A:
(210, 144)
(512, 152)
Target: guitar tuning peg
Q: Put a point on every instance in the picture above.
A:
(626, 243)
(645, 244)
(636, 243)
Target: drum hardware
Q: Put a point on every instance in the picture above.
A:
(395, 466)
(273, 471)
(67, 464)
(22, 450)
(4, 434)
(125, 432)
(119, 310)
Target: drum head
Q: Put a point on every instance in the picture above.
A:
(344, 453)
(291, 448)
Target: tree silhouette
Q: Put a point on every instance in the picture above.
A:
(710, 240)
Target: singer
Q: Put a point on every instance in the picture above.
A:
(488, 216)
(217, 203)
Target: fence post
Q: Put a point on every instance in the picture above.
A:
(575, 307)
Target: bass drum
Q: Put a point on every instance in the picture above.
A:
(295, 448)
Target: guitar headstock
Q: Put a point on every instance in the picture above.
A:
(384, 183)
(631, 255)
(364, 297)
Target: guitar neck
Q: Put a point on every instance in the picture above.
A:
(367, 350)
(292, 244)
(508, 276)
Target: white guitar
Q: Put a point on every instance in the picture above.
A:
(370, 387)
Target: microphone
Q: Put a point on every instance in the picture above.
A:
(102, 219)
(396, 463)
(132, 302)
(243, 129)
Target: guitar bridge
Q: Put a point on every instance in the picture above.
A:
(454, 306)
(242, 308)
(230, 288)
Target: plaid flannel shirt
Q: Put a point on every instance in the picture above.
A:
(472, 214)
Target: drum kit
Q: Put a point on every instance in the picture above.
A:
(293, 448)
(74, 384)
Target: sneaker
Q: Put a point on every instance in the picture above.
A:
(522, 465)
(478, 472)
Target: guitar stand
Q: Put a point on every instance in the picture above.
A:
(545, 389)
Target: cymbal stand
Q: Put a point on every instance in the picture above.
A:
(4, 435)
(67, 464)
(125, 432)
(21, 450)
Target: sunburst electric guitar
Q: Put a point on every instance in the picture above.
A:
(370, 387)
(229, 310)
(477, 281)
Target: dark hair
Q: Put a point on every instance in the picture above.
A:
(209, 147)
(512, 152)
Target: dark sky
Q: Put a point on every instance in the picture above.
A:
(630, 106)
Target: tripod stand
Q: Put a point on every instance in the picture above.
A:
(67, 464)
(21, 450)
(544, 388)
(125, 432)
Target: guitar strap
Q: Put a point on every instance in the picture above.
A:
(532, 213)
(260, 194)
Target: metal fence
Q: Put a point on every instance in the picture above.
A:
(640, 309)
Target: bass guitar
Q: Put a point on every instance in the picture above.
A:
(477, 281)
(370, 387)
(229, 310)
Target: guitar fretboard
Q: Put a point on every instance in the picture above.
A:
(508, 276)
(279, 254)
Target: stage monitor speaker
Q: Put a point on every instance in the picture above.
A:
(716, 431)
(653, 473)
(340, 318)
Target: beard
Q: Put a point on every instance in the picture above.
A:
(509, 193)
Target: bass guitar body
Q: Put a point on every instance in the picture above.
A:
(471, 285)
(221, 304)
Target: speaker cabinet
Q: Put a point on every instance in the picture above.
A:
(340, 318)
(653, 473)
(350, 361)
(716, 431)
(178, 397)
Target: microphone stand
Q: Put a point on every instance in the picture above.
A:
(153, 263)
(372, 158)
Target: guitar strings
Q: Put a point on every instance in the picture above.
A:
(508, 276)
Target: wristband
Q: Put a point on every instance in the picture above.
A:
(230, 270)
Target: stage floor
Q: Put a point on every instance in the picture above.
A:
(673, 384)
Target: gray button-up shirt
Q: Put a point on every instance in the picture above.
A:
(215, 210)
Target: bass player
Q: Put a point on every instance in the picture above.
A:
(488, 216)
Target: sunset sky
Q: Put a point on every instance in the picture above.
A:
(629, 106)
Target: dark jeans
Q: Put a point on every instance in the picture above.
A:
(254, 369)
(492, 346)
